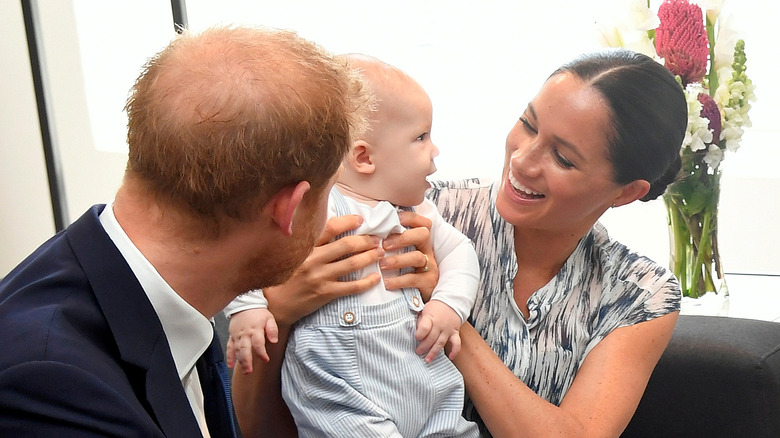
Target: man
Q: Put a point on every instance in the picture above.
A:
(235, 136)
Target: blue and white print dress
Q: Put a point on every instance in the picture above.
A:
(602, 286)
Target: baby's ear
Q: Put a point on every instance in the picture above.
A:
(359, 158)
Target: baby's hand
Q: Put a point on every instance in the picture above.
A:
(248, 331)
(437, 324)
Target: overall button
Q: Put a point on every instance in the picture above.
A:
(416, 301)
(349, 317)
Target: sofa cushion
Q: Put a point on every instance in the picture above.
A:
(718, 377)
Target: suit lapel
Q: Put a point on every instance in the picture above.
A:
(166, 396)
(134, 325)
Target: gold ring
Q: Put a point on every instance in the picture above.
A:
(425, 268)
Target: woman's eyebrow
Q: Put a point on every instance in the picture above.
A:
(531, 110)
(565, 143)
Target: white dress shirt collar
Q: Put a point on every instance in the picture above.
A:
(189, 333)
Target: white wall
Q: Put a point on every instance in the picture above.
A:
(26, 213)
(115, 33)
(480, 64)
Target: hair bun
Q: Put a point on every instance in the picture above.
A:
(671, 175)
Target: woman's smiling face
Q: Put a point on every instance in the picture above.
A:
(557, 175)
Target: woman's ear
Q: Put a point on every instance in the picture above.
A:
(360, 158)
(631, 192)
(284, 203)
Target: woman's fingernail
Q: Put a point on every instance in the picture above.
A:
(382, 263)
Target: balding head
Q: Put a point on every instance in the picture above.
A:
(222, 120)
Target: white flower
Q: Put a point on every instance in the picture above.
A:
(697, 143)
(714, 156)
(722, 94)
(693, 89)
(732, 135)
(725, 41)
(642, 17)
(698, 134)
(734, 99)
(713, 8)
(625, 24)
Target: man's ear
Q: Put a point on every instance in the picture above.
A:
(284, 204)
(360, 158)
(631, 192)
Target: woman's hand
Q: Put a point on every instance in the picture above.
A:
(600, 401)
(316, 282)
(419, 236)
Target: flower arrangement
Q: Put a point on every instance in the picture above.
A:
(701, 48)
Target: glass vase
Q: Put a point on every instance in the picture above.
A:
(692, 213)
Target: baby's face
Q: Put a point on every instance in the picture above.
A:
(405, 151)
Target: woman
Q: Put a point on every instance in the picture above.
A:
(568, 324)
(576, 316)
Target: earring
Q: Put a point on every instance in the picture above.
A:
(613, 206)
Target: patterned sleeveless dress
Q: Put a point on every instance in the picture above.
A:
(602, 286)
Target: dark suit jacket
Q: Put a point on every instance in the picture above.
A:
(82, 352)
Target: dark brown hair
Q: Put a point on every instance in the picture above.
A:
(649, 114)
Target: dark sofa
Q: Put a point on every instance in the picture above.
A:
(718, 377)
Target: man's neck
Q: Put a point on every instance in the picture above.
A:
(194, 268)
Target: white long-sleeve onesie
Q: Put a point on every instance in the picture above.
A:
(454, 253)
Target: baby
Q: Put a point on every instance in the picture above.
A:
(352, 368)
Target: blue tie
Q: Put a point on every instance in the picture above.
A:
(215, 383)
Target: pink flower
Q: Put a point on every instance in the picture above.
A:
(710, 111)
(681, 40)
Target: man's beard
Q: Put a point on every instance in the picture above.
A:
(277, 264)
